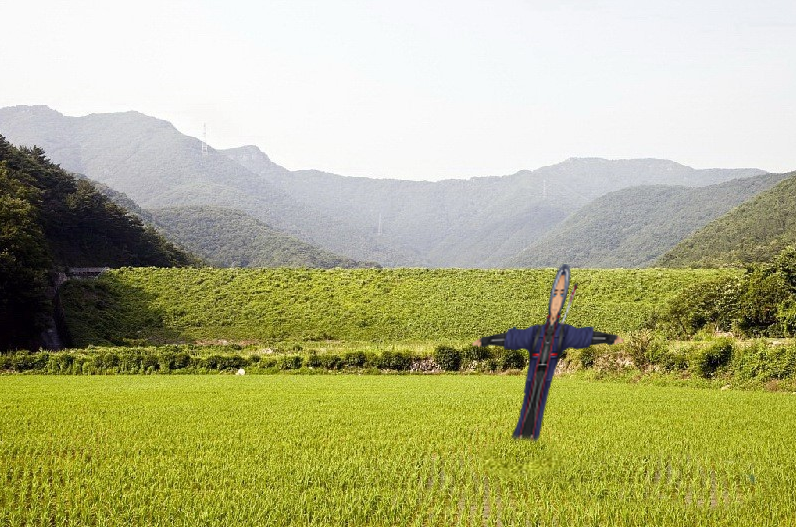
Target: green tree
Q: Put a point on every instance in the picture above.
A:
(23, 262)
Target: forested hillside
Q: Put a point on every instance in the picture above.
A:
(755, 231)
(480, 222)
(50, 220)
(633, 226)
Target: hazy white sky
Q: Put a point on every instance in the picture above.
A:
(423, 89)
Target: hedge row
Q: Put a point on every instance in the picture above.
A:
(720, 358)
(758, 360)
(166, 359)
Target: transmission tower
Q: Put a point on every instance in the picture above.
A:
(204, 139)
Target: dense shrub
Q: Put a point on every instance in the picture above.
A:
(477, 353)
(448, 358)
(490, 365)
(23, 361)
(150, 362)
(181, 360)
(714, 303)
(670, 360)
(267, 363)
(583, 357)
(645, 348)
(355, 359)
(757, 363)
(393, 360)
(313, 360)
(330, 361)
(59, 363)
(327, 361)
(291, 362)
(760, 303)
(707, 360)
(763, 362)
(513, 359)
(221, 362)
(211, 362)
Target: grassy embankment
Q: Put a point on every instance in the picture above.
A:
(448, 306)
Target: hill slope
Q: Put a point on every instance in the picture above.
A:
(755, 231)
(81, 226)
(377, 305)
(481, 221)
(157, 166)
(634, 226)
(231, 238)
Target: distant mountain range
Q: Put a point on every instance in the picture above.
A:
(478, 222)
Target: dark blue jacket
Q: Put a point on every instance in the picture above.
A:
(524, 339)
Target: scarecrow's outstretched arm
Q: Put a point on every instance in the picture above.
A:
(603, 338)
(597, 338)
(494, 340)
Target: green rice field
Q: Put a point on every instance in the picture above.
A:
(388, 450)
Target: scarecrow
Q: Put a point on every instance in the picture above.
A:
(545, 343)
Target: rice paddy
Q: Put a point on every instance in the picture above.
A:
(388, 450)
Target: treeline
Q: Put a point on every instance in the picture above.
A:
(50, 220)
(207, 359)
(224, 237)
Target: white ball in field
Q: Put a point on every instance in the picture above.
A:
(241, 372)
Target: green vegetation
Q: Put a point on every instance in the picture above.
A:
(645, 356)
(759, 302)
(23, 260)
(632, 227)
(230, 238)
(755, 231)
(381, 305)
(387, 450)
(50, 220)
